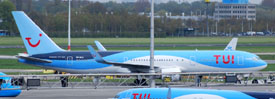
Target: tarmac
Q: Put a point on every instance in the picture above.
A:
(109, 93)
(20, 70)
(7, 57)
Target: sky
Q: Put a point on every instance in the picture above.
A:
(163, 1)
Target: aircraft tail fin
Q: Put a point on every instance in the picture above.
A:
(169, 94)
(232, 45)
(100, 46)
(97, 57)
(35, 40)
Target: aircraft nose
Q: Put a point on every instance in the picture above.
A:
(263, 64)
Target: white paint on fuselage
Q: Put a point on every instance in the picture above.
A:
(161, 61)
(200, 96)
(186, 65)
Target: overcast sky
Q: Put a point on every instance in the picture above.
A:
(163, 1)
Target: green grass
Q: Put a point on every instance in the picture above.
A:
(267, 57)
(25, 73)
(270, 67)
(117, 41)
(253, 49)
(133, 41)
(11, 51)
(13, 64)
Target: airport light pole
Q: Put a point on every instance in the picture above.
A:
(69, 26)
(267, 27)
(207, 23)
(242, 25)
(217, 27)
(152, 70)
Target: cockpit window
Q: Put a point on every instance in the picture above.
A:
(256, 58)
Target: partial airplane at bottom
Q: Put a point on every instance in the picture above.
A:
(184, 93)
(43, 52)
(6, 87)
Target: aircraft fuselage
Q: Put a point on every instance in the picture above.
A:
(186, 61)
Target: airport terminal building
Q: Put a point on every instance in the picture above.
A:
(238, 9)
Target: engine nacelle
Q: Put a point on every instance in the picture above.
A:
(173, 77)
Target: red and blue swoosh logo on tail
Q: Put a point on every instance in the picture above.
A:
(29, 42)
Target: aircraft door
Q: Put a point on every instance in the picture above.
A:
(70, 60)
(192, 60)
(1, 81)
(125, 59)
(240, 60)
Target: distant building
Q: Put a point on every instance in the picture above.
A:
(182, 17)
(239, 9)
(197, 18)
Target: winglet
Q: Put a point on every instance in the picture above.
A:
(99, 46)
(232, 45)
(96, 56)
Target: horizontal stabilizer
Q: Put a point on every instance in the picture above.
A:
(34, 59)
(99, 46)
(232, 45)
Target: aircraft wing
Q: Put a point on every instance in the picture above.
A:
(100, 46)
(34, 59)
(99, 59)
(232, 45)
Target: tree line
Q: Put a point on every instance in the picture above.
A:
(94, 19)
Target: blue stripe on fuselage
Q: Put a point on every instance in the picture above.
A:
(76, 55)
(75, 64)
